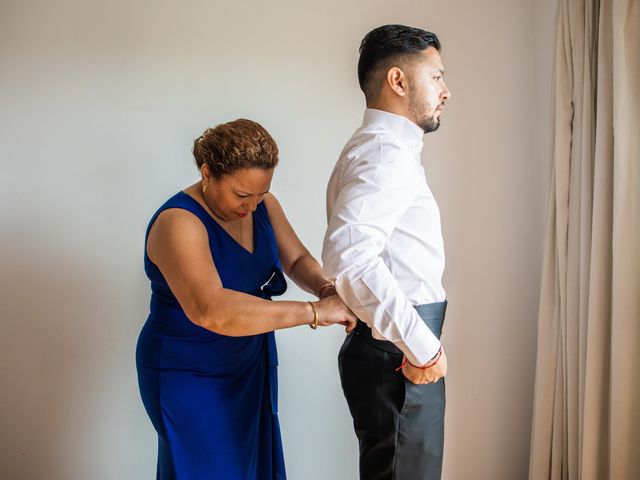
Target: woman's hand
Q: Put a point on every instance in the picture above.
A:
(327, 291)
(332, 310)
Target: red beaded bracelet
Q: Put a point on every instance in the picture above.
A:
(433, 362)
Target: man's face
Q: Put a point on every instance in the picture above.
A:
(427, 90)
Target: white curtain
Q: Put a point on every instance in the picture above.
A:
(586, 422)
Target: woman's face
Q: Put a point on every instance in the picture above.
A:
(234, 196)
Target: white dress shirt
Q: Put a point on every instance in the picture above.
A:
(384, 245)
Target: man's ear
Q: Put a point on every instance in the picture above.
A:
(397, 81)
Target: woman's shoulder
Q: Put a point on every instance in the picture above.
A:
(271, 204)
(175, 229)
(181, 201)
(179, 215)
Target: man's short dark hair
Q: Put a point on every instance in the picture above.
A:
(385, 45)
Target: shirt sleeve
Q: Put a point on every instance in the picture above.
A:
(374, 193)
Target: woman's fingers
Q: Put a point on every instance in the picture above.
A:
(350, 324)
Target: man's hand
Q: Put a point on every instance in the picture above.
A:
(419, 375)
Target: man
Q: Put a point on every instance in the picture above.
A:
(384, 248)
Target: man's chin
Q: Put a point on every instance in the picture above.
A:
(430, 125)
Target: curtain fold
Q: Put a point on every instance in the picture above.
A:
(586, 422)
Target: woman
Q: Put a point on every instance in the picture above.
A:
(206, 355)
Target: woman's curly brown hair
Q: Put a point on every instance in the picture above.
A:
(235, 145)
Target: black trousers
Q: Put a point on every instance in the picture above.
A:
(399, 425)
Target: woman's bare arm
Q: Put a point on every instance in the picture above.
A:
(179, 245)
(296, 260)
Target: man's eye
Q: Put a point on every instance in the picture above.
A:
(437, 78)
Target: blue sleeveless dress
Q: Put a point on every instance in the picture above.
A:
(213, 398)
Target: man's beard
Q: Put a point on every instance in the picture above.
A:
(427, 124)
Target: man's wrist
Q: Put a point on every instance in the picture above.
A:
(432, 362)
(437, 354)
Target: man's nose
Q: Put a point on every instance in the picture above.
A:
(446, 93)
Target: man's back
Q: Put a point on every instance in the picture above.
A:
(382, 218)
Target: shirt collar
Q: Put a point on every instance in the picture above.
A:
(408, 132)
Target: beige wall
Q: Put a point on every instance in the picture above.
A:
(99, 104)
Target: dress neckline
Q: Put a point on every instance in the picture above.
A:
(221, 228)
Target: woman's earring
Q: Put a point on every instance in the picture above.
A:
(204, 187)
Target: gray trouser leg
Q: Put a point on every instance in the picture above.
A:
(399, 425)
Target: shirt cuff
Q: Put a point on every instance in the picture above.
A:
(420, 346)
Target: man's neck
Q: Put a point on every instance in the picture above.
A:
(392, 106)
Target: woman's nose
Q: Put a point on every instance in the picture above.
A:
(252, 203)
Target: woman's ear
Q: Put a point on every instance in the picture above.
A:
(206, 176)
(205, 172)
